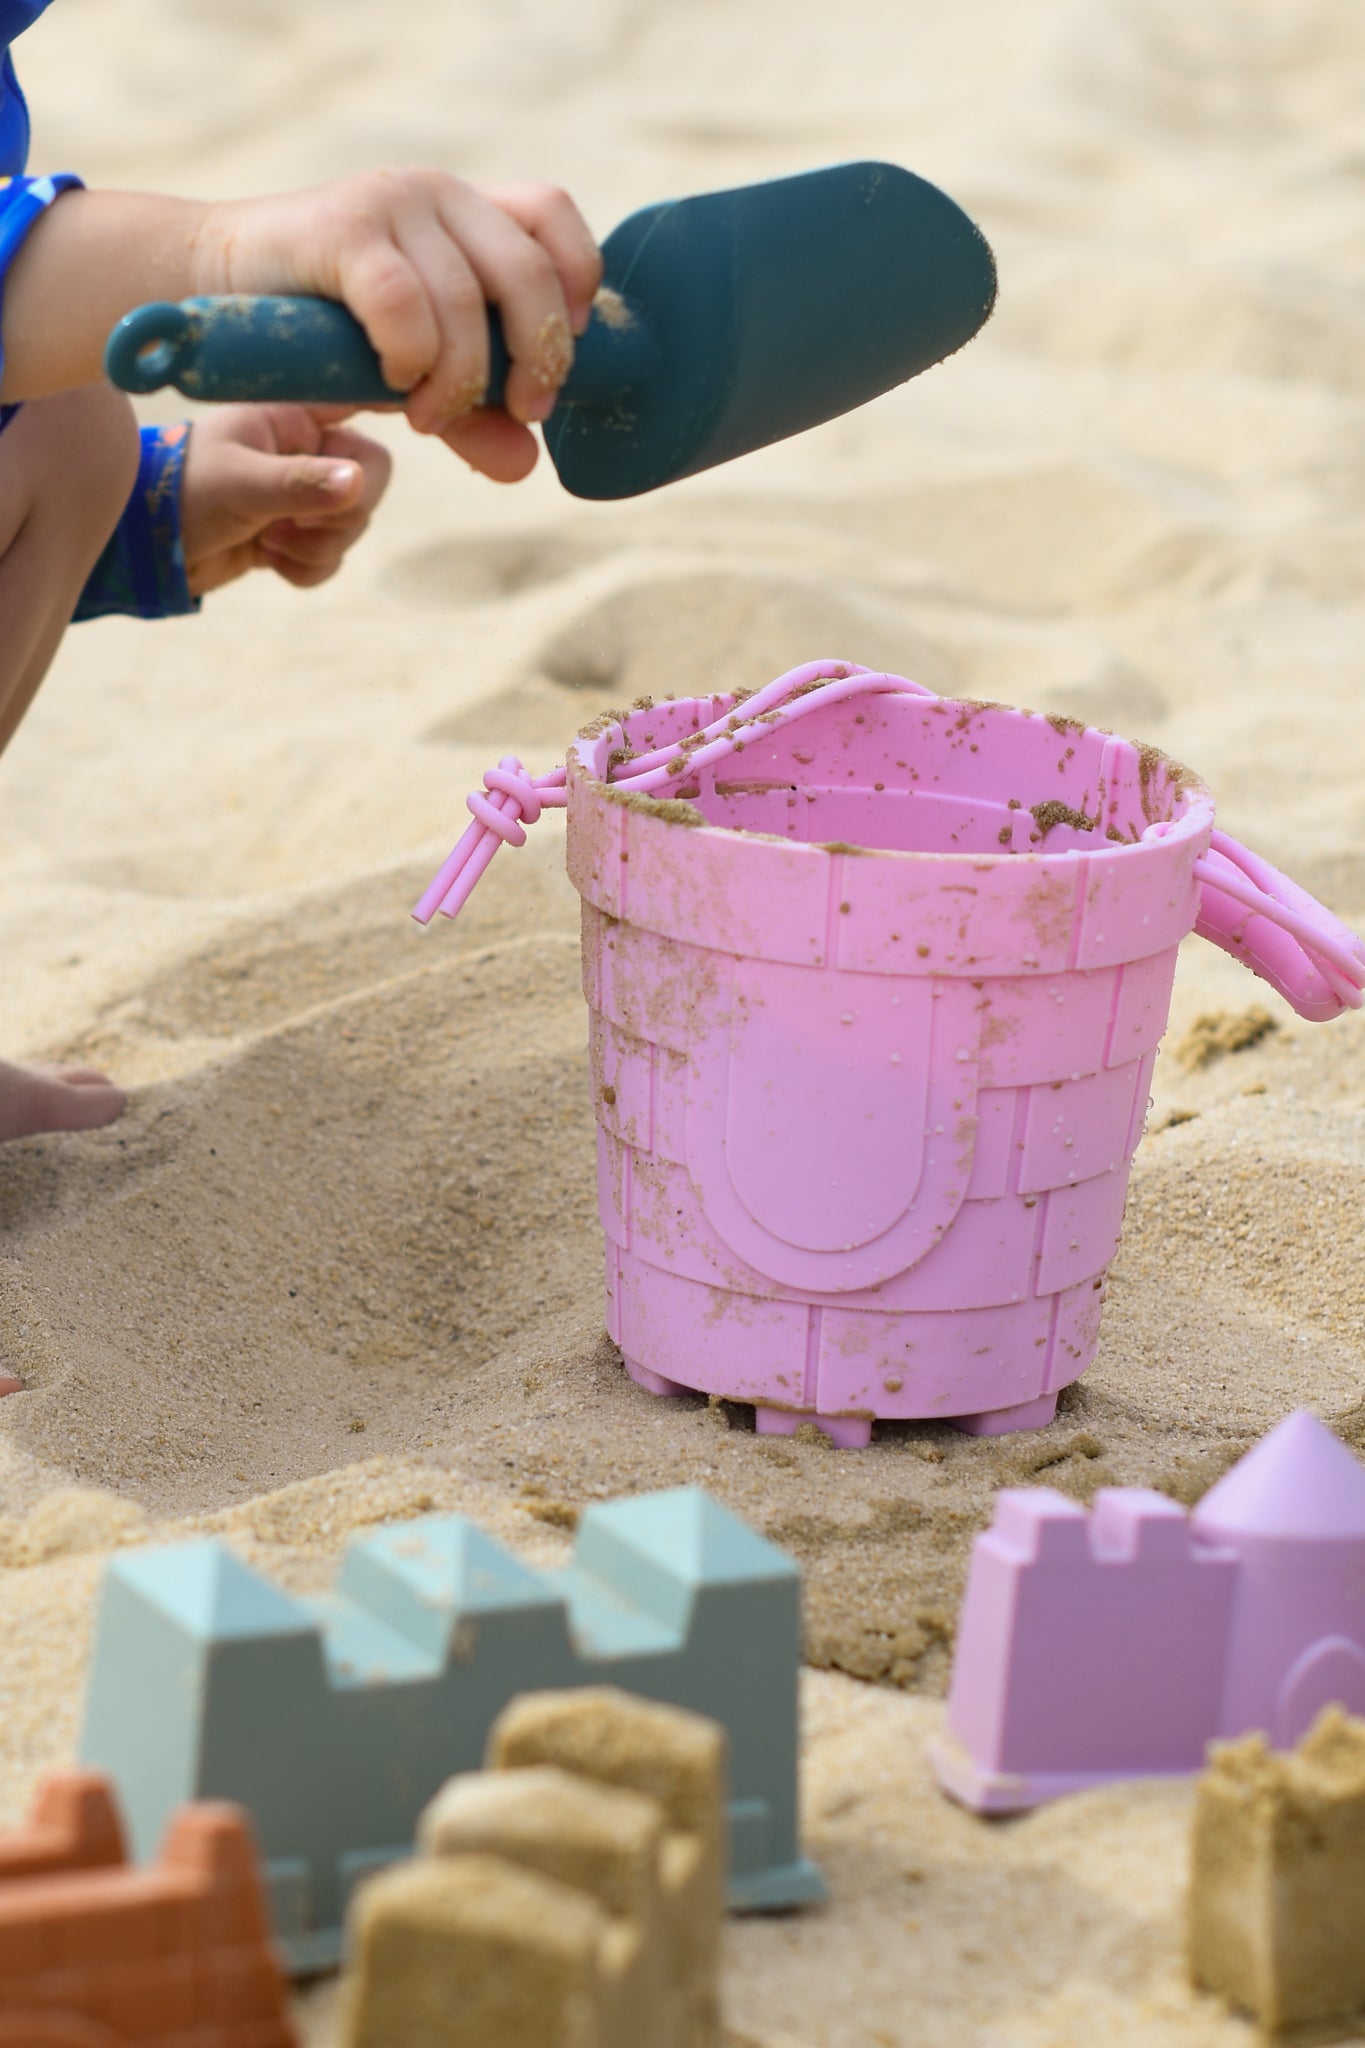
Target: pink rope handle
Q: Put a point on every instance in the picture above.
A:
(516, 799)
(496, 823)
(1234, 870)
(510, 800)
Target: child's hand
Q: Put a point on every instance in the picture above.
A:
(418, 255)
(282, 487)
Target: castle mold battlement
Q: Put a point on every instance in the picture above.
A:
(1090, 1646)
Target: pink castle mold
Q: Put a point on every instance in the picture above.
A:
(1091, 1646)
(1117, 1644)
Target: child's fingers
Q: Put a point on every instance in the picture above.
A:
(301, 575)
(344, 444)
(520, 279)
(458, 377)
(387, 294)
(495, 444)
(258, 488)
(549, 215)
(312, 547)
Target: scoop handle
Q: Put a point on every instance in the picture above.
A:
(300, 349)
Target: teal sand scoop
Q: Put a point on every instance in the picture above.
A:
(727, 321)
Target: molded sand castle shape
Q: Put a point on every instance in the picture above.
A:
(877, 981)
(1119, 1643)
(579, 1881)
(1277, 1878)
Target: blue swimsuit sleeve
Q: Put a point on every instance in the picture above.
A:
(142, 569)
(22, 202)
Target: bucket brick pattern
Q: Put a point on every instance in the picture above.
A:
(951, 1046)
(95, 1954)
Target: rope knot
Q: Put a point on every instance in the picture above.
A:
(510, 780)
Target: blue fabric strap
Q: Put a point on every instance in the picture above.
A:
(142, 569)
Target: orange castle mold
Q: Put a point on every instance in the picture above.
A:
(97, 1954)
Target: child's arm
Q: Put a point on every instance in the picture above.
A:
(415, 254)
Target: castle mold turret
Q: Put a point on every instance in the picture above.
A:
(1293, 1512)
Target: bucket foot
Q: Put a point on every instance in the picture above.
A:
(848, 1432)
(1000, 1421)
(652, 1382)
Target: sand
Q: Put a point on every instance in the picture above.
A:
(340, 1261)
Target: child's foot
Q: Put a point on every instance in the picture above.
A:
(35, 1099)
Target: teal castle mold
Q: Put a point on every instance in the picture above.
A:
(335, 1720)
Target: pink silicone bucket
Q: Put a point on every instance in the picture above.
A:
(873, 1020)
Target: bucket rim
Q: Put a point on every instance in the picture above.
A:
(1194, 820)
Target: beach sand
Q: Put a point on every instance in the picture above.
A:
(340, 1260)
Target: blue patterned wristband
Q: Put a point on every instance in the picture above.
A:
(142, 570)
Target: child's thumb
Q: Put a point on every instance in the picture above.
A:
(296, 486)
